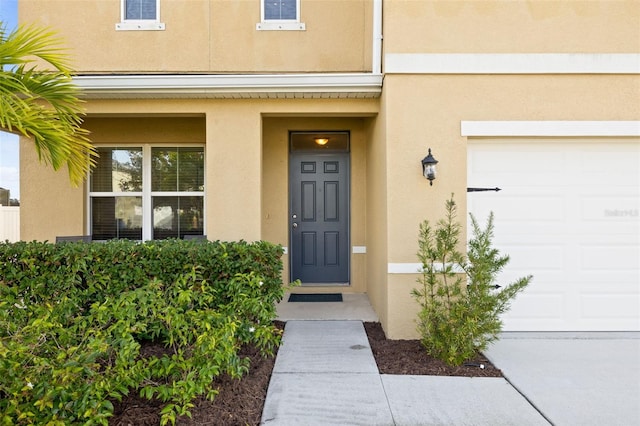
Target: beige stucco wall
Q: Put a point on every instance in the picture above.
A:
(45, 190)
(145, 129)
(246, 155)
(516, 26)
(377, 227)
(204, 36)
(425, 112)
(248, 138)
(49, 205)
(246, 149)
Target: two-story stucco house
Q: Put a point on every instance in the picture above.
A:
(304, 123)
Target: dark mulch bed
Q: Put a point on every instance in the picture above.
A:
(240, 402)
(409, 357)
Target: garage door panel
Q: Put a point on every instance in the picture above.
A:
(609, 167)
(544, 282)
(538, 233)
(568, 213)
(521, 208)
(605, 306)
(543, 257)
(606, 257)
(606, 282)
(499, 159)
(539, 305)
(612, 209)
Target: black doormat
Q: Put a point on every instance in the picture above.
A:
(315, 297)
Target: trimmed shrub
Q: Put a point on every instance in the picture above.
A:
(73, 315)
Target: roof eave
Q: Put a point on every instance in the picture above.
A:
(276, 86)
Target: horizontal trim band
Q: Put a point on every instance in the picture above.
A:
(415, 268)
(230, 86)
(512, 63)
(549, 128)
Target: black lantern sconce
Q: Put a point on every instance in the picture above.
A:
(429, 167)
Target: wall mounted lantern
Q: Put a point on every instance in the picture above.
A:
(429, 167)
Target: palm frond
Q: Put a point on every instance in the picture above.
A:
(28, 43)
(41, 102)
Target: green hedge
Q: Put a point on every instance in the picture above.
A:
(73, 315)
(40, 271)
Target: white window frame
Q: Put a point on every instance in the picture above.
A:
(147, 194)
(139, 24)
(280, 24)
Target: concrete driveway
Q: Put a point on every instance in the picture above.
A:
(589, 379)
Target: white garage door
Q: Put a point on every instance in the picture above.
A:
(568, 213)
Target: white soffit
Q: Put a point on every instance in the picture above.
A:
(512, 63)
(276, 86)
(549, 128)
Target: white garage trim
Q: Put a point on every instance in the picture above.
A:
(512, 63)
(549, 128)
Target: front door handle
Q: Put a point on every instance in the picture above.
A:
(295, 225)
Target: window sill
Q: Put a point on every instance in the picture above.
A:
(140, 26)
(281, 26)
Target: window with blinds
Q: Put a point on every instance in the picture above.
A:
(280, 15)
(280, 10)
(140, 15)
(147, 192)
(141, 9)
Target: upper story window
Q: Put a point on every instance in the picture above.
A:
(140, 15)
(147, 192)
(280, 15)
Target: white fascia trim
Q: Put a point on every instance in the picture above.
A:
(416, 268)
(173, 85)
(512, 63)
(549, 128)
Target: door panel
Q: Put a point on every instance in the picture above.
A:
(319, 217)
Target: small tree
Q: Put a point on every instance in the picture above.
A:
(460, 305)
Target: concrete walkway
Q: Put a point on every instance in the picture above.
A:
(325, 374)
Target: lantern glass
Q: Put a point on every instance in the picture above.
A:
(430, 171)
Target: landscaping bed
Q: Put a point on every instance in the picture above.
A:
(124, 333)
(240, 402)
(85, 326)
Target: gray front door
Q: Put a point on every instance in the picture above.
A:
(319, 217)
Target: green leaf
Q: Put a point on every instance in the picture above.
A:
(43, 103)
